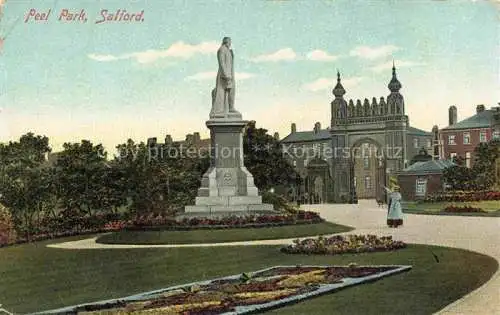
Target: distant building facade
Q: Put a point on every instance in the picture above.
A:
(365, 143)
(192, 143)
(459, 139)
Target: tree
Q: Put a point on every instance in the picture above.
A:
(459, 177)
(265, 160)
(483, 173)
(484, 169)
(157, 181)
(81, 177)
(26, 185)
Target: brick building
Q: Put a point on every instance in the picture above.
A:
(422, 178)
(460, 139)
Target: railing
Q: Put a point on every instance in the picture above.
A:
(369, 119)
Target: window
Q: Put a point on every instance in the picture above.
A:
(368, 182)
(354, 181)
(451, 139)
(453, 155)
(467, 159)
(482, 136)
(415, 143)
(421, 187)
(294, 163)
(466, 138)
(429, 143)
(366, 162)
(496, 135)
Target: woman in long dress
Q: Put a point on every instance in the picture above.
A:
(395, 214)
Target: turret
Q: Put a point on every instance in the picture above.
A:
(317, 127)
(338, 105)
(374, 106)
(366, 108)
(351, 109)
(359, 108)
(395, 100)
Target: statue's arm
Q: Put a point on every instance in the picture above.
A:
(223, 59)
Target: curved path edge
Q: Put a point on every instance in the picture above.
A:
(478, 234)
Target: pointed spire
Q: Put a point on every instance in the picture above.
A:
(339, 90)
(394, 86)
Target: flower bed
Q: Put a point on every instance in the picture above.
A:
(339, 244)
(241, 294)
(57, 227)
(462, 209)
(464, 196)
(158, 221)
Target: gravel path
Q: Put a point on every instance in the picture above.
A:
(479, 234)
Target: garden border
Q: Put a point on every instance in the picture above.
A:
(323, 289)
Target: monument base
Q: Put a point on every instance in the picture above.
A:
(227, 187)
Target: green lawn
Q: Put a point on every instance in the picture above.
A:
(34, 277)
(492, 207)
(221, 235)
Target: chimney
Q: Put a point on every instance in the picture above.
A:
(435, 142)
(276, 136)
(152, 142)
(452, 115)
(189, 138)
(479, 109)
(317, 127)
(196, 137)
(168, 139)
(293, 128)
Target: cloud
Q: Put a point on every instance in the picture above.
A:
(329, 83)
(176, 50)
(285, 54)
(399, 64)
(211, 75)
(104, 58)
(366, 52)
(321, 55)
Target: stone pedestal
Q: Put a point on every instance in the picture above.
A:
(227, 187)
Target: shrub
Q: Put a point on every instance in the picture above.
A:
(462, 209)
(279, 202)
(7, 229)
(464, 196)
(163, 221)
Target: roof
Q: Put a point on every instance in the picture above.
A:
(324, 134)
(301, 136)
(417, 132)
(479, 120)
(429, 167)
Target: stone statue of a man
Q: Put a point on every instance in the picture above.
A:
(223, 94)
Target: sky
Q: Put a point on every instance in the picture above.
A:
(107, 82)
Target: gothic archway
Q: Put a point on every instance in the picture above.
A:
(319, 186)
(368, 159)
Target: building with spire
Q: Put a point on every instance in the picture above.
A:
(366, 143)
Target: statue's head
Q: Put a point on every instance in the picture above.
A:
(226, 41)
